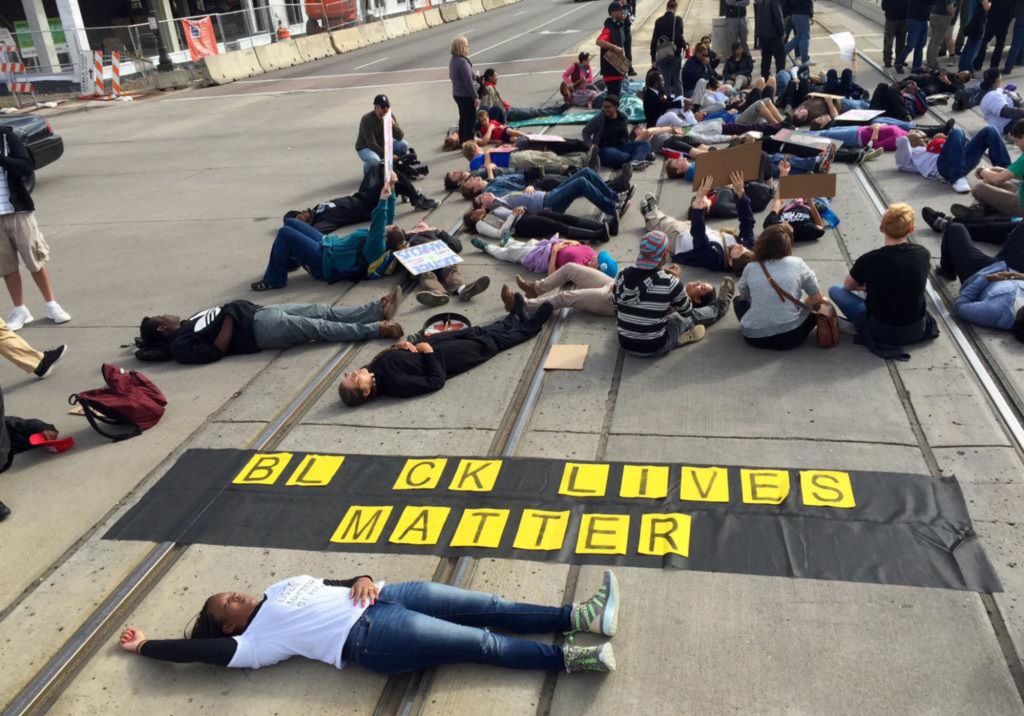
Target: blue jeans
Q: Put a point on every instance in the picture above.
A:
(797, 165)
(907, 126)
(972, 46)
(782, 80)
(849, 304)
(585, 183)
(849, 136)
(295, 324)
(801, 37)
(917, 37)
(846, 104)
(371, 158)
(959, 156)
(418, 625)
(298, 241)
(1016, 45)
(614, 158)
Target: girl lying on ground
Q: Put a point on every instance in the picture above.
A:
(392, 629)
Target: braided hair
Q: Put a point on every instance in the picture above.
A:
(206, 627)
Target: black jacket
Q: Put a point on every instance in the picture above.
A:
(617, 36)
(895, 9)
(669, 26)
(693, 71)
(769, 23)
(742, 66)
(18, 162)
(14, 435)
(799, 7)
(193, 344)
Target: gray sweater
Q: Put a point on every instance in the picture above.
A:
(460, 71)
(769, 315)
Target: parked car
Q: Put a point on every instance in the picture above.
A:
(37, 133)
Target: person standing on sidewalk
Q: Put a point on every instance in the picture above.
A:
(612, 41)
(801, 14)
(974, 23)
(942, 13)
(918, 14)
(670, 27)
(770, 29)
(736, 21)
(895, 28)
(20, 233)
(465, 87)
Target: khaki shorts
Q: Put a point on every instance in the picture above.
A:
(20, 236)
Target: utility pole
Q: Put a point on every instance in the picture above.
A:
(164, 64)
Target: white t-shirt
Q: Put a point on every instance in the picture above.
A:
(684, 242)
(992, 104)
(301, 616)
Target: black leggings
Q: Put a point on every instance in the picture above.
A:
(780, 341)
(467, 118)
(959, 255)
(772, 48)
(548, 223)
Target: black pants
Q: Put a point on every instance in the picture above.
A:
(995, 29)
(772, 48)
(959, 255)
(780, 341)
(467, 118)
(613, 87)
(470, 347)
(547, 223)
(887, 99)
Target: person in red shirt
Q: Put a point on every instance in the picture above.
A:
(612, 42)
(491, 130)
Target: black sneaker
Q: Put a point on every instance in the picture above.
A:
(49, 361)
(5, 512)
(475, 288)
(943, 273)
(613, 225)
(622, 179)
(975, 212)
(936, 220)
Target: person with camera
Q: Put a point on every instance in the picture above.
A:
(370, 140)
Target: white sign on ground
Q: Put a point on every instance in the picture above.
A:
(427, 257)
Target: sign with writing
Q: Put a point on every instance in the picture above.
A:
(806, 140)
(812, 523)
(202, 42)
(427, 257)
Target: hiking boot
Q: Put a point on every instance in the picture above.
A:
(389, 303)
(389, 329)
(529, 288)
(432, 298)
(975, 212)
(18, 317)
(600, 613)
(589, 658)
(726, 292)
(693, 335)
(936, 220)
(479, 243)
(649, 204)
(508, 298)
(49, 361)
(56, 314)
(475, 288)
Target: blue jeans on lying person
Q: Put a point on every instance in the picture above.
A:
(418, 625)
(298, 241)
(586, 184)
(850, 304)
(849, 136)
(958, 156)
(616, 157)
(797, 165)
(371, 158)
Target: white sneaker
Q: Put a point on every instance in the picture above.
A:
(19, 317)
(961, 186)
(57, 314)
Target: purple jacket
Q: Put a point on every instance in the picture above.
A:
(537, 260)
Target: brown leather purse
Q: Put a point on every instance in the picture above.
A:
(825, 316)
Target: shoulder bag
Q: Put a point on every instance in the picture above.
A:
(824, 313)
(665, 50)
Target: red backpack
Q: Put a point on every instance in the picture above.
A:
(130, 400)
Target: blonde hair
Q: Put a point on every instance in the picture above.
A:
(460, 46)
(470, 150)
(898, 221)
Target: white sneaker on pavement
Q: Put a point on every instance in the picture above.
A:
(961, 186)
(57, 314)
(19, 317)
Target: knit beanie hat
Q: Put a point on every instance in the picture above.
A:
(652, 250)
(607, 265)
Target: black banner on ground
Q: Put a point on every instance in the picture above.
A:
(876, 527)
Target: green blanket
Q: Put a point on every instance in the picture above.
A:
(632, 107)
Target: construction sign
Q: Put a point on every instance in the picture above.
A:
(202, 42)
(876, 527)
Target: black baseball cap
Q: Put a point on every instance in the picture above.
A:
(382, 100)
(615, 6)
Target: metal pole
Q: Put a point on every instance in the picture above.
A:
(164, 64)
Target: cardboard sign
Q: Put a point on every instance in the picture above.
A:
(823, 95)
(806, 140)
(720, 165)
(566, 357)
(859, 116)
(427, 257)
(812, 185)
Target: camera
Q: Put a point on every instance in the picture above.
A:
(410, 165)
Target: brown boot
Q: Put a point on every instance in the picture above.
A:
(508, 297)
(527, 287)
(390, 329)
(389, 303)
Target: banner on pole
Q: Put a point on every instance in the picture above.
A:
(199, 35)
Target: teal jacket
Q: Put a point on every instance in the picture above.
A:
(363, 253)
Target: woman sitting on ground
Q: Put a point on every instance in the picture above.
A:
(407, 369)
(766, 319)
(416, 625)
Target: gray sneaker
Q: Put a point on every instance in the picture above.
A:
(589, 658)
(600, 613)
(726, 291)
(649, 204)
